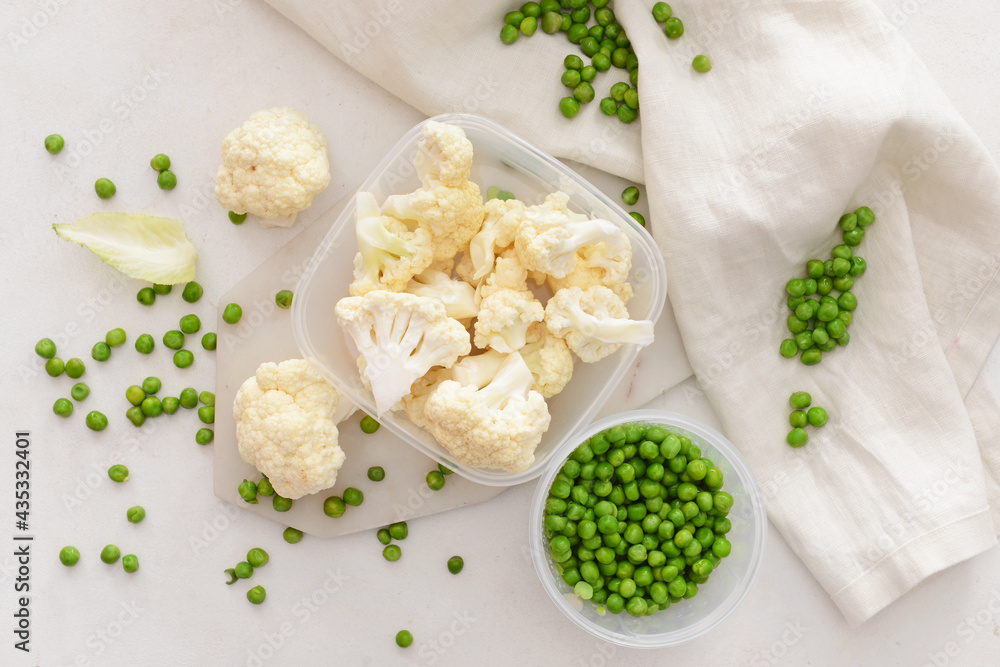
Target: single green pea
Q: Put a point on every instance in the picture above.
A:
(631, 98)
(146, 296)
(551, 22)
(135, 514)
(110, 554)
(209, 341)
(455, 564)
(190, 324)
(570, 78)
(404, 639)
(847, 301)
(136, 416)
(531, 9)
(166, 179)
(865, 216)
(96, 421)
(183, 359)
(392, 553)
(513, 19)
(797, 437)
(528, 26)
(820, 335)
(508, 34)
(383, 536)
(844, 339)
(844, 283)
(817, 416)
(150, 385)
(798, 419)
(189, 398)
(353, 496)
(619, 58)
(573, 62)
(618, 95)
(118, 473)
(55, 367)
(264, 487)
(151, 406)
(135, 395)
(101, 351)
(800, 400)
(334, 507)
(104, 188)
(173, 339)
(398, 530)
(292, 535)
(257, 595)
(283, 299)
(788, 348)
(445, 470)
(836, 328)
(601, 62)
(74, 367)
(69, 556)
(248, 491)
(62, 407)
(243, 569)
(208, 398)
(237, 218)
(54, 143)
(79, 391)
(701, 63)
(858, 266)
(661, 12)
(45, 348)
(257, 557)
(848, 221)
(589, 46)
(584, 92)
(633, 76)
(674, 27)
(435, 480)
(638, 217)
(144, 344)
(369, 424)
(232, 313)
(376, 473)
(280, 503)
(804, 340)
(204, 436)
(841, 267)
(192, 292)
(159, 162)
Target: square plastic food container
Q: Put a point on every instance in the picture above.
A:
(507, 161)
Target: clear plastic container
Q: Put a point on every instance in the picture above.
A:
(727, 586)
(509, 162)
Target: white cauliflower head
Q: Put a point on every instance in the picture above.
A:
(272, 166)
(503, 217)
(504, 318)
(549, 359)
(444, 155)
(286, 416)
(600, 264)
(389, 254)
(498, 425)
(401, 336)
(594, 322)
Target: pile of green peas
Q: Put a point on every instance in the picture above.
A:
(819, 319)
(801, 416)
(592, 26)
(145, 404)
(636, 519)
(395, 531)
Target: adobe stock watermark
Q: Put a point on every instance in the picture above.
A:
(226, 516)
(900, 14)
(34, 22)
(912, 170)
(793, 633)
(983, 620)
(379, 18)
(429, 651)
(301, 612)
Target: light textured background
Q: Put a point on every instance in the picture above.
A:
(122, 83)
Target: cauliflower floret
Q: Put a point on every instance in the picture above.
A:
(594, 322)
(389, 254)
(598, 265)
(504, 317)
(272, 166)
(503, 217)
(549, 359)
(494, 426)
(457, 296)
(453, 215)
(507, 274)
(401, 336)
(420, 391)
(549, 236)
(286, 416)
(444, 155)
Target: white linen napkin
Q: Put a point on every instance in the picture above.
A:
(811, 109)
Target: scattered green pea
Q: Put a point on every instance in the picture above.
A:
(104, 188)
(206, 414)
(798, 419)
(62, 407)
(54, 143)
(232, 313)
(209, 341)
(292, 535)
(404, 638)
(383, 536)
(257, 557)
(376, 473)
(118, 473)
(797, 437)
(369, 424)
(55, 367)
(435, 480)
(673, 27)
(569, 107)
(79, 391)
(146, 296)
(110, 554)
(630, 195)
(455, 564)
(189, 398)
(353, 496)
(204, 436)
(190, 324)
(170, 404)
(445, 470)
(183, 359)
(508, 34)
(392, 553)
(136, 416)
(701, 63)
(151, 406)
(256, 595)
(166, 179)
(160, 162)
(45, 348)
(69, 556)
(280, 503)
(75, 368)
(398, 530)
(248, 491)
(135, 514)
(192, 292)
(638, 217)
(334, 507)
(173, 339)
(662, 12)
(130, 563)
(96, 421)
(817, 416)
(115, 337)
(865, 216)
(264, 487)
(243, 569)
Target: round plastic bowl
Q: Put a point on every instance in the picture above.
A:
(728, 584)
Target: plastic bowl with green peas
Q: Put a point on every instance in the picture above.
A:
(729, 581)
